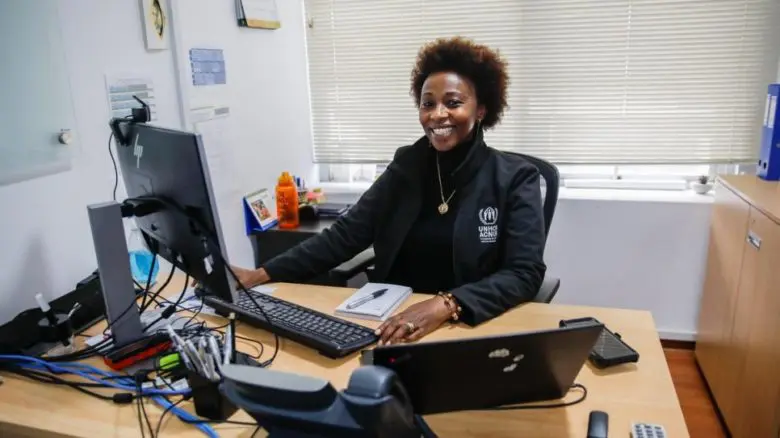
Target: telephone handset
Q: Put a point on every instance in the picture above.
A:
(374, 404)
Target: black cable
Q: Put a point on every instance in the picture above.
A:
(51, 378)
(139, 377)
(149, 281)
(183, 291)
(133, 303)
(164, 285)
(545, 406)
(146, 417)
(237, 423)
(255, 432)
(140, 420)
(197, 220)
(113, 161)
(260, 350)
(194, 315)
(254, 342)
(84, 353)
(165, 314)
(170, 276)
(165, 412)
(163, 374)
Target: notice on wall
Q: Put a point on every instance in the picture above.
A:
(208, 67)
(213, 124)
(122, 93)
(217, 128)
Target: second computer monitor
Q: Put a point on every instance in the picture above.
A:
(171, 164)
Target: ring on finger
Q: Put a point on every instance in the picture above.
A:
(410, 326)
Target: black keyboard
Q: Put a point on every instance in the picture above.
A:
(331, 336)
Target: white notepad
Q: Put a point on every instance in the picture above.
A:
(377, 309)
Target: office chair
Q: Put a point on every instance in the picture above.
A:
(552, 180)
(550, 285)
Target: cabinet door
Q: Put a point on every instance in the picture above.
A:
(756, 333)
(724, 260)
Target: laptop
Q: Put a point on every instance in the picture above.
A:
(490, 371)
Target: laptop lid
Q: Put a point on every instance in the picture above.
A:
(484, 372)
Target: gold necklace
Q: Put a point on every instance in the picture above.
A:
(444, 206)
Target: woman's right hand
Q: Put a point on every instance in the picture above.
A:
(250, 278)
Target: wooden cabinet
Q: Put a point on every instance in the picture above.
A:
(757, 331)
(714, 349)
(738, 342)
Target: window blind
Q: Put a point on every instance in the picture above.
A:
(592, 81)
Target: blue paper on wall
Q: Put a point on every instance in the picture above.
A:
(208, 67)
(769, 154)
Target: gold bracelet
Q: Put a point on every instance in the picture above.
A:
(452, 305)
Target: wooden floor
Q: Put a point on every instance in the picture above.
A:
(698, 408)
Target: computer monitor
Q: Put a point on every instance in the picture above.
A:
(171, 165)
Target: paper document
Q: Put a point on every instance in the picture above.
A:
(378, 309)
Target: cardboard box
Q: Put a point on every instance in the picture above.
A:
(769, 155)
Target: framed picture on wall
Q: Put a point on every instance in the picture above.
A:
(156, 24)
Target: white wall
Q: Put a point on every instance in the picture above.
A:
(44, 230)
(647, 255)
(267, 92)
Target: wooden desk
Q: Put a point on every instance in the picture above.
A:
(635, 392)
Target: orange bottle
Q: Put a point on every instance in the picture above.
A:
(287, 202)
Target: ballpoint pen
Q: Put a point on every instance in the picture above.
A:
(367, 298)
(178, 344)
(205, 359)
(208, 357)
(194, 357)
(214, 347)
(227, 353)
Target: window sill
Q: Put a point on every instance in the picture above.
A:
(624, 195)
(629, 195)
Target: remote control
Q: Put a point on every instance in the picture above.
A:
(647, 430)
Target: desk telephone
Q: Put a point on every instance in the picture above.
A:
(287, 405)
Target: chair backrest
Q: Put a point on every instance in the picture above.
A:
(552, 179)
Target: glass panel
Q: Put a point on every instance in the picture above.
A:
(35, 99)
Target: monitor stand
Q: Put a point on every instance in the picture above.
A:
(116, 281)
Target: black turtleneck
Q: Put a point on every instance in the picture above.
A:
(425, 260)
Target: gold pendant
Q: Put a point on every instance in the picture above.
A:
(443, 208)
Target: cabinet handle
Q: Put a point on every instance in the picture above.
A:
(754, 240)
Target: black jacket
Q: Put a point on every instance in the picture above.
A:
(499, 232)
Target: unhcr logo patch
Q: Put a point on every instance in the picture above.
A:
(488, 231)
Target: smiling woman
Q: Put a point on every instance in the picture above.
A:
(456, 84)
(449, 216)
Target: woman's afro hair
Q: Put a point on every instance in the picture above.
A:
(480, 64)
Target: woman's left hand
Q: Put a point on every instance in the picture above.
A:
(415, 322)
